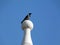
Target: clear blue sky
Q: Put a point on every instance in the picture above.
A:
(45, 16)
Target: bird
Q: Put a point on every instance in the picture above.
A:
(26, 18)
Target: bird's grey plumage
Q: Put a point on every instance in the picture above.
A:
(27, 17)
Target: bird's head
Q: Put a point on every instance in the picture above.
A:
(29, 14)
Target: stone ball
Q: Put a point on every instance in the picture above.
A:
(27, 24)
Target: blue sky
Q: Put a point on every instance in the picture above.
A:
(45, 16)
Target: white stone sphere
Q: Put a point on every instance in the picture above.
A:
(27, 24)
